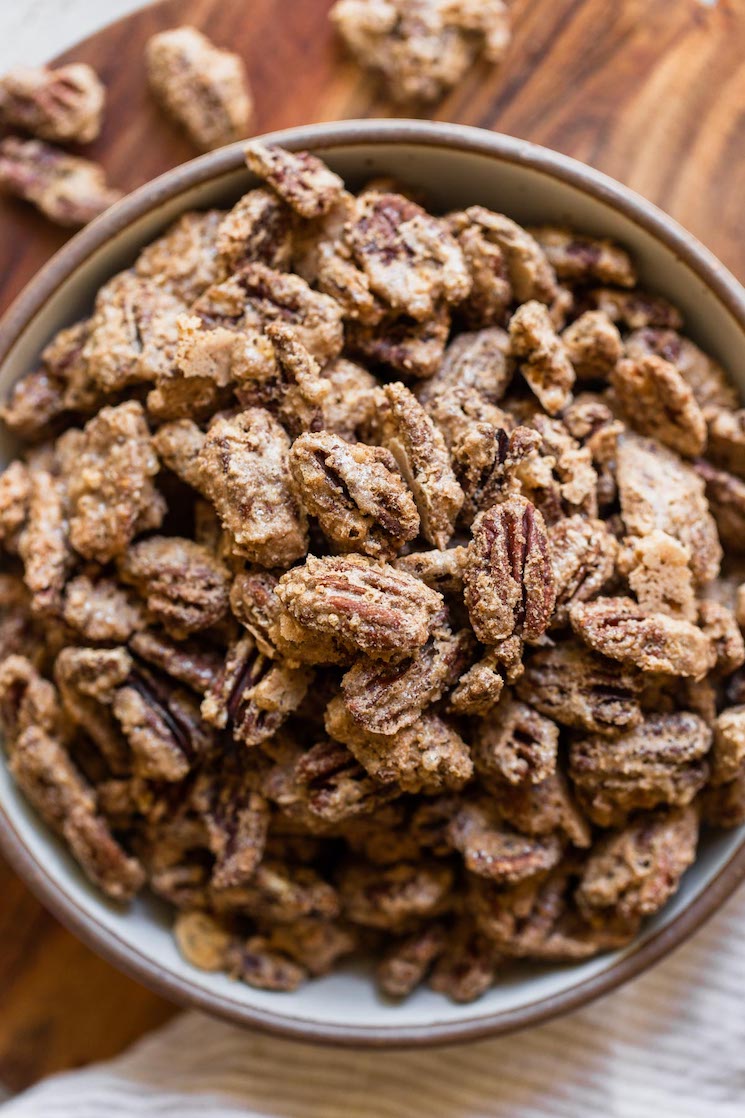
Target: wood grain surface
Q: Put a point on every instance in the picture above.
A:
(650, 91)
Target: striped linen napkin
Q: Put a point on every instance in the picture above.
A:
(669, 1045)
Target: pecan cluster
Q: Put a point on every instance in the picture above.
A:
(372, 580)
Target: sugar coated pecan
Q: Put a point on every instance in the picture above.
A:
(509, 584)
(659, 402)
(491, 849)
(301, 180)
(67, 189)
(541, 356)
(64, 105)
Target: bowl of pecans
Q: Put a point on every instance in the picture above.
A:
(371, 520)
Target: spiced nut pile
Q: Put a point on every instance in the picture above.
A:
(372, 584)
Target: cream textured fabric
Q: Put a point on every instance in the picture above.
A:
(669, 1045)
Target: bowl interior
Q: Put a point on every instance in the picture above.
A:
(345, 1006)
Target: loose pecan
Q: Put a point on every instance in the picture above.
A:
(633, 872)
(253, 695)
(622, 630)
(356, 492)
(43, 545)
(184, 586)
(46, 775)
(63, 105)
(366, 604)
(409, 347)
(548, 808)
(67, 189)
(304, 182)
(236, 821)
(525, 264)
(243, 467)
(541, 356)
(467, 967)
(509, 584)
(479, 360)
(593, 345)
(280, 893)
(189, 662)
(406, 964)
(336, 786)
(203, 88)
(516, 744)
(636, 309)
(659, 402)
(574, 687)
(395, 897)
(580, 258)
(583, 558)
(491, 849)
(706, 378)
(660, 761)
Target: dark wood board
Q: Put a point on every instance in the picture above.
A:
(650, 91)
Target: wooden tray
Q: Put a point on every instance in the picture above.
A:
(650, 91)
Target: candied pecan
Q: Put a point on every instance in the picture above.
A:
(418, 447)
(659, 573)
(203, 88)
(491, 849)
(406, 964)
(426, 756)
(706, 378)
(188, 662)
(660, 761)
(660, 403)
(255, 296)
(280, 892)
(184, 586)
(440, 570)
(593, 345)
(45, 774)
(67, 189)
(421, 50)
(16, 487)
(516, 743)
(480, 688)
(647, 470)
(35, 402)
(636, 309)
(395, 897)
(525, 264)
(720, 626)
(480, 360)
(162, 725)
(43, 544)
(314, 944)
(622, 630)
(254, 603)
(202, 940)
(467, 967)
(256, 964)
(356, 492)
(383, 698)
(464, 416)
(243, 468)
(580, 690)
(335, 785)
(27, 699)
(726, 441)
(184, 258)
(301, 180)
(93, 672)
(583, 558)
(491, 290)
(728, 751)
(580, 258)
(541, 356)
(350, 404)
(109, 482)
(236, 820)
(509, 586)
(403, 344)
(63, 105)
(178, 444)
(633, 872)
(100, 610)
(548, 808)
(258, 229)
(132, 333)
(252, 694)
(411, 260)
(489, 463)
(367, 605)
(560, 479)
(726, 496)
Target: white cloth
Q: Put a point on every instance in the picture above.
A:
(671, 1044)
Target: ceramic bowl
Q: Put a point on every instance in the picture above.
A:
(456, 167)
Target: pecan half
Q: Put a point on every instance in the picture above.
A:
(659, 402)
(67, 189)
(661, 761)
(516, 744)
(583, 562)
(356, 492)
(491, 849)
(395, 897)
(303, 181)
(541, 356)
(509, 584)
